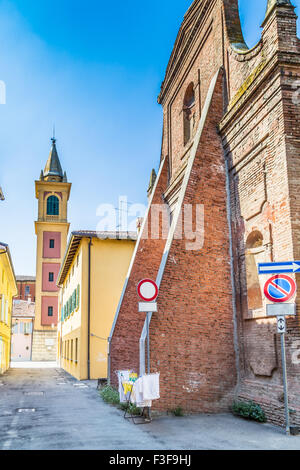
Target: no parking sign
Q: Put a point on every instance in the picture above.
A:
(280, 288)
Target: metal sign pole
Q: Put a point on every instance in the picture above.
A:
(148, 341)
(148, 355)
(285, 384)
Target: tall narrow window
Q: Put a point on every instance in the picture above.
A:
(50, 311)
(189, 113)
(51, 243)
(27, 290)
(51, 277)
(52, 205)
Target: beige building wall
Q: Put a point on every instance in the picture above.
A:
(110, 260)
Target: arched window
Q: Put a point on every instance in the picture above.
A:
(188, 113)
(52, 205)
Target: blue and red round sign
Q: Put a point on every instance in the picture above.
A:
(280, 288)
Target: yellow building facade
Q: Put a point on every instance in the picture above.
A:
(91, 278)
(52, 191)
(8, 289)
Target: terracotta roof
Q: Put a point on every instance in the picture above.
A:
(22, 308)
(26, 278)
(74, 243)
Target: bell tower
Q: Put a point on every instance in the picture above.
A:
(52, 191)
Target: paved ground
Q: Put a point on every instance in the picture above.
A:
(32, 365)
(46, 409)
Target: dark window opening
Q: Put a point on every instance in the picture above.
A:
(52, 243)
(52, 205)
(50, 311)
(51, 277)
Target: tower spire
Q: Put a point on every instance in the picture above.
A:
(53, 170)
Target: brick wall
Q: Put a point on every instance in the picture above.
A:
(198, 373)
(259, 133)
(21, 290)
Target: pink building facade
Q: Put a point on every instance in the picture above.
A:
(22, 328)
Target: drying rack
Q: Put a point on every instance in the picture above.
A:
(144, 417)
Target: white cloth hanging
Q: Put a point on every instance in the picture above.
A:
(137, 395)
(151, 387)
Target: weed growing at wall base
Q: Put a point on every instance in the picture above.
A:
(249, 410)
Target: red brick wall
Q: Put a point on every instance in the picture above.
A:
(192, 338)
(21, 290)
(260, 133)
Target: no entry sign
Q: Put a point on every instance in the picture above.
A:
(280, 288)
(147, 290)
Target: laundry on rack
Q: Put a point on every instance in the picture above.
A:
(133, 377)
(137, 395)
(151, 386)
(142, 390)
(127, 387)
(123, 376)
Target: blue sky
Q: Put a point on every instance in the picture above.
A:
(95, 69)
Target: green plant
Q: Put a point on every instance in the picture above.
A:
(249, 410)
(133, 409)
(111, 395)
(178, 411)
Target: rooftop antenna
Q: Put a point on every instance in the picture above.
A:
(53, 138)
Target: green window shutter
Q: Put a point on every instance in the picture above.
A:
(78, 295)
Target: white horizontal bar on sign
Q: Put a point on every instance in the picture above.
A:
(147, 307)
(281, 309)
